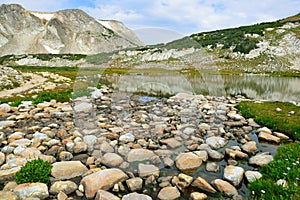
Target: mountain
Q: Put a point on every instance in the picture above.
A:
(66, 31)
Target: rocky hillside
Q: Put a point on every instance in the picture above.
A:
(265, 47)
(65, 31)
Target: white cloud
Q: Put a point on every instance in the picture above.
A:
(113, 12)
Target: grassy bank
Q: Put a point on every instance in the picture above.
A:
(266, 114)
(286, 166)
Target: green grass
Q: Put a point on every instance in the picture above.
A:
(58, 95)
(285, 166)
(266, 114)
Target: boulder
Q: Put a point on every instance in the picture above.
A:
(234, 174)
(68, 169)
(32, 190)
(168, 193)
(102, 180)
(225, 187)
(188, 161)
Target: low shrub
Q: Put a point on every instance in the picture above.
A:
(34, 171)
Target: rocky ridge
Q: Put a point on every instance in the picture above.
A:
(136, 142)
(65, 31)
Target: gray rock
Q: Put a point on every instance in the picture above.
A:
(225, 187)
(249, 147)
(80, 147)
(216, 142)
(104, 195)
(2, 158)
(203, 185)
(168, 193)
(4, 108)
(68, 169)
(171, 142)
(111, 159)
(215, 155)
(9, 174)
(212, 167)
(102, 180)
(8, 195)
(134, 184)
(261, 159)
(139, 155)
(198, 196)
(234, 174)
(252, 176)
(188, 161)
(128, 137)
(148, 170)
(8, 123)
(32, 190)
(268, 137)
(83, 107)
(66, 187)
(136, 196)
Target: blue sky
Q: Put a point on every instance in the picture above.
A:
(181, 17)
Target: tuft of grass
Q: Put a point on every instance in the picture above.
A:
(286, 166)
(34, 171)
(265, 113)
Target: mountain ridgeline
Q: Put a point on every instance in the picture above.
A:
(67, 31)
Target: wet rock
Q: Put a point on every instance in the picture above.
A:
(32, 190)
(8, 195)
(2, 158)
(148, 170)
(80, 147)
(68, 169)
(268, 137)
(4, 108)
(202, 154)
(261, 159)
(65, 156)
(9, 174)
(281, 136)
(188, 161)
(106, 147)
(66, 187)
(235, 154)
(168, 162)
(252, 176)
(102, 180)
(216, 142)
(234, 174)
(136, 196)
(168, 193)
(134, 184)
(171, 142)
(62, 196)
(212, 167)
(198, 196)
(265, 130)
(182, 181)
(203, 185)
(83, 107)
(215, 155)
(139, 155)
(225, 187)
(8, 123)
(111, 159)
(128, 137)
(20, 142)
(104, 195)
(249, 147)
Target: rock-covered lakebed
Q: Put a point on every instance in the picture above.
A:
(121, 146)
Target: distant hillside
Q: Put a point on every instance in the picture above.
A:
(66, 31)
(264, 47)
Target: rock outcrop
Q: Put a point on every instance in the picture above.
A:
(65, 31)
